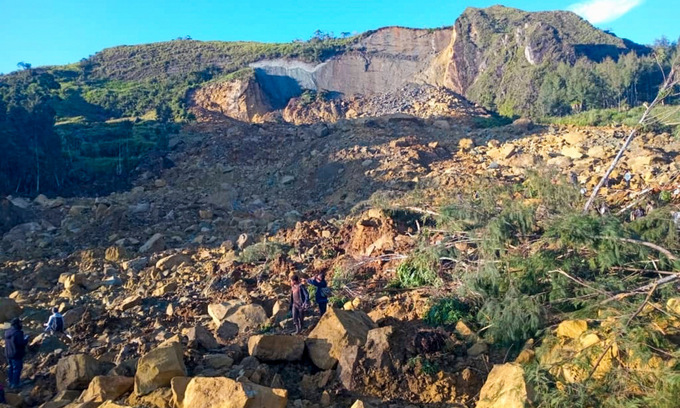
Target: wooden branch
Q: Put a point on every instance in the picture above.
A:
(641, 196)
(642, 289)
(662, 250)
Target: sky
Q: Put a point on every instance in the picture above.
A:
(55, 32)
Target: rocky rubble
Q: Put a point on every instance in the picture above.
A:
(176, 294)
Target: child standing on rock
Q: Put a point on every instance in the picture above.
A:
(299, 302)
(322, 290)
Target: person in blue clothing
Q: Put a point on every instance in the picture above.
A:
(322, 291)
(15, 350)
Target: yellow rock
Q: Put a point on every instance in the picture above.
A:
(572, 328)
(504, 388)
(526, 356)
(589, 340)
(673, 305)
(224, 392)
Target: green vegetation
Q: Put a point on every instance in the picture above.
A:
(262, 252)
(539, 260)
(419, 269)
(447, 311)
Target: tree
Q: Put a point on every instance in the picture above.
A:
(23, 65)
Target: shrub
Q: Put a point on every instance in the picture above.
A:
(445, 311)
(418, 270)
(262, 251)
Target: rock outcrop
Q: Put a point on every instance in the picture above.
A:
(158, 367)
(225, 392)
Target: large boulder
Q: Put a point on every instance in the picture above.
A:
(199, 336)
(107, 387)
(276, 348)
(9, 309)
(178, 386)
(75, 372)
(336, 330)
(157, 368)
(224, 392)
(504, 388)
(246, 316)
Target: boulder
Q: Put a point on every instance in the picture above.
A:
(504, 388)
(130, 302)
(361, 404)
(111, 404)
(225, 332)
(218, 361)
(158, 398)
(155, 244)
(572, 328)
(9, 309)
(336, 330)
(276, 347)
(199, 336)
(115, 253)
(245, 316)
(224, 392)
(178, 386)
(220, 311)
(75, 372)
(107, 387)
(157, 368)
(573, 152)
(172, 261)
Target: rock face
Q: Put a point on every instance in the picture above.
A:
(75, 372)
(276, 348)
(226, 393)
(157, 368)
(241, 99)
(107, 387)
(336, 330)
(245, 316)
(9, 309)
(504, 388)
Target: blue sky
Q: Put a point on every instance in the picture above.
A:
(50, 32)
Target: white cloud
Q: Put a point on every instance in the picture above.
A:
(603, 11)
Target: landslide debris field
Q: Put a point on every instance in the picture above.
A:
(463, 272)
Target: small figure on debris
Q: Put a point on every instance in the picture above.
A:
(637, 213)
(573, 178)
(15, 350)
(322, 291)
(299, 302)
(55, 324)
(627, 177)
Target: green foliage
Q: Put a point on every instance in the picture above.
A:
(424, 365)
(262, 251)
(419, 269)
(447, 311)
(341, 278)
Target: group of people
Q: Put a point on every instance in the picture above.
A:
(15, 347)
(300, 299)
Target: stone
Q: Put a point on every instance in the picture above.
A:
(598, 152)
(130, 302)
(248, 317)
(222, 392)
(572, 328)
(504, 152)
(115, 253)
(205, 214)
(155, 244)
(218, 361)
(574, 138)
(466, 144)
(75, 372)
(226, 332)
(220, 311)
(107, 387)
(178, 386)
(325, 396)
(172, 261)
(158, 398)
(276, 347)
(673, 305)
(156, 368)
(9, 309)
(199, 336)
(111, 404)
(504, 388)
(573, 152)
(560, 162)
(361, 404)
(287, 179)
(347, 364)
(336, 330)
(135, 265)
(478, 349)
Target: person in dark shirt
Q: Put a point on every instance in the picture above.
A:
(299, 302)
(15, 350)
(322, 291)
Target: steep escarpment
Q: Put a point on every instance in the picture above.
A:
(499, 55)
(241, 99)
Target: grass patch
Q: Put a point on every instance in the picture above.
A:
(262, 252)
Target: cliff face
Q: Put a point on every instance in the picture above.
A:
(489, 56)
(240, 99)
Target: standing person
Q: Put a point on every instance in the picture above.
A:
(15, 350)
(299, 302)
(322, 291)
